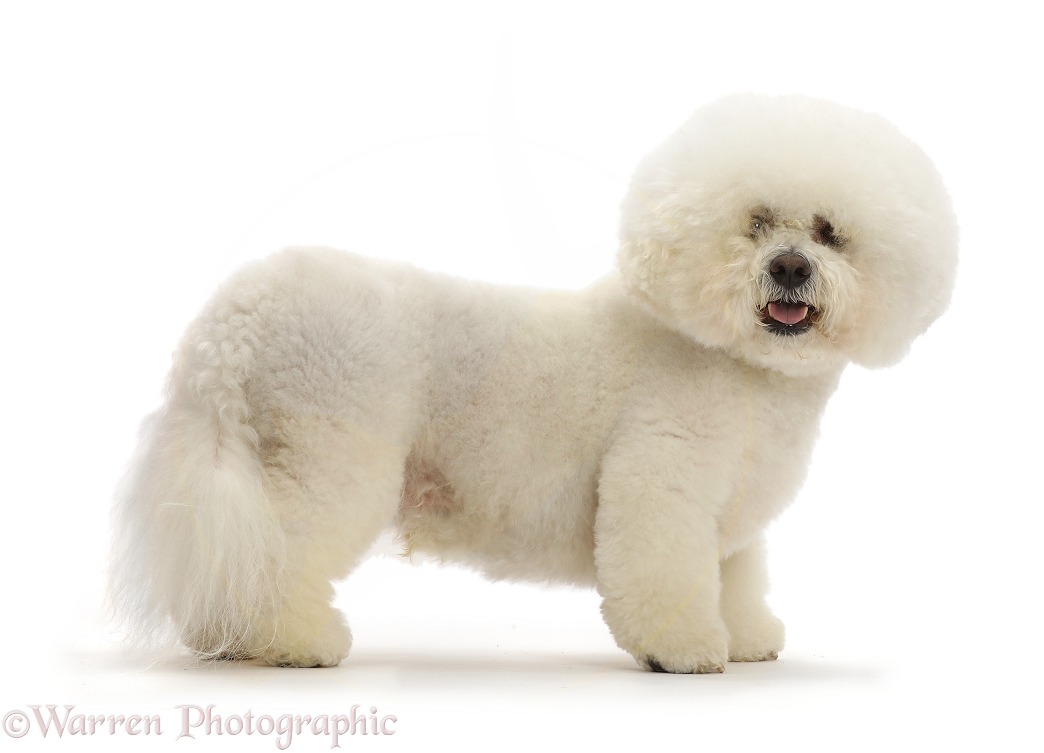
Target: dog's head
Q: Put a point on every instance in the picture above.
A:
(793, 233)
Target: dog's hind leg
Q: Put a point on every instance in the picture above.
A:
(274, 464)
(236, 516)
(333, 489)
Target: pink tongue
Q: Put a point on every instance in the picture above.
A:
(787, 313)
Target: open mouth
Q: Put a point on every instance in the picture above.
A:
(785, 318)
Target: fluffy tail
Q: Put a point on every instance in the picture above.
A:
(198, 548)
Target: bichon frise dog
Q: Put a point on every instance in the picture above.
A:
(637, 436)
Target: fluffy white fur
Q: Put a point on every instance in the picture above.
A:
(636, 436)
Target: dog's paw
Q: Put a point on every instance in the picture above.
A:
(753, 655)
(706, 656)
(684, 667)
(307, 649)
(701, 649)
(756, 640)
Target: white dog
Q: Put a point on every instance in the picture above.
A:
(636, 436)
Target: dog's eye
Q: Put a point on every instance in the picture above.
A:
(759, 223)
(824, 233)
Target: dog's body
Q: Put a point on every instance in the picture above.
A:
(636, 436)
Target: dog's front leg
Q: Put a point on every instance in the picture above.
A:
(755, 634)
(656, 553)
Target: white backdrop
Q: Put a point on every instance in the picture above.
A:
(147, 150)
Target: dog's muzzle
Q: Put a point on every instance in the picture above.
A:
(790, 314)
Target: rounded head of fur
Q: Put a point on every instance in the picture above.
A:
(792, 233)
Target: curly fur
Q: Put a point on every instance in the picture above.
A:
(636, 436)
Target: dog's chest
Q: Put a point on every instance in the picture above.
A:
(779, 429)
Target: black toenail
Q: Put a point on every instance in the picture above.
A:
(654, 665)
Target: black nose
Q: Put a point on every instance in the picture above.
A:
(790, 270)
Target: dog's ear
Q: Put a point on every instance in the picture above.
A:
(651, 229)
(907, 284)
(907, 265)
(635, 261)
(648, 262)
